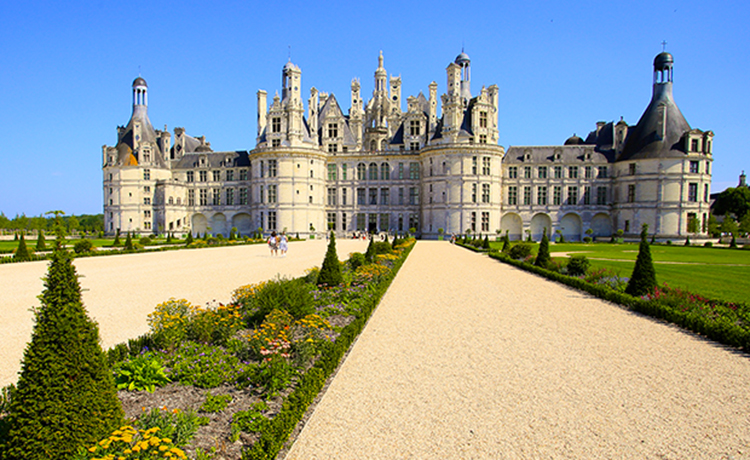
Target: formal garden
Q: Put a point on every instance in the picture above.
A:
(206, 381)
(703, 289)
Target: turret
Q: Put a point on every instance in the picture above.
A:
(463, 61)
(262, 112)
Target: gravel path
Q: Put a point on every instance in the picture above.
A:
(120, 291)
(469, 358)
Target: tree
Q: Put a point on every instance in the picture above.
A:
(693, 225)
(486, 243)
(66, 396)
(713, 226)
(22, 253)
(643, 279)
(189, 239)
(330, 272)
(734, 201)
(117, 238)
(543, 257)
(73, 224)
(129, 243)
(729, 226)
(370, 251)
(41, 244)
(745, 224)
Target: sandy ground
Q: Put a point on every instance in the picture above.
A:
(120, 291)
(468, 358)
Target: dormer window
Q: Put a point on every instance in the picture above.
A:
(333, 130)
(694, 145)
(202, 161)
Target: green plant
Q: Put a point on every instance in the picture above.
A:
(290, 295)
(330, 272)
(144, 372)
(177, 425)
(41, 244)
(543, 257)
(274, 374)
(116, 242)
(83, 246)
(249, 421)
(65, 381)
(144, 241)
(22, 253)
(214, 324)
(216, 403)
(520, 251)
(204, 366)
(356, 259)
(643, 279)
(189, 239)
(148, 444)
(578, 266)
(129, 243)
(369, 253)
(169, 322)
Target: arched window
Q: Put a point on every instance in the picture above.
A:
(361, 171)
(385, 171)
(373, 171)
(382, 144)
(373, 145)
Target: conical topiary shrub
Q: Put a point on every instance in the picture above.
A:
(128, 243)
(643, 279)
(41, 244)
(486, 242)
(65, 397)
(22, 253)
(370, 251)
(189, 239)
(330, 272)
(117, 238)
(543, 258)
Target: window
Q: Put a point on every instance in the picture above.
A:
(146, 189)
(482, 138)
(527, 172)
(343, 196)
(587, 195)
(385, 171)
(361, 221)
(692, 192)
(541, 195)
(589, 172)
(272, 166)
(275, 142)
(373, 171)
(573, 172)
(331, 171)
(262, 169)
(333, 148)
(203, 197)
(171, 200)
(415, 128)
(400, 170)
(413, 195)
(473, 193)
(485, 193)
(482, 119)
(261, 194)
(527, 195)
(513, 172)
(512, 195)
(572, 195)
(631, 169)
(373, 196)
(230, 175)
(272, 193)
(361, 168)
(216, 196)
(414, 221)
(601, 195)
(146, 200)
(331, 219)
(445, 168)
(230, 196)
(627, 226)
(694, 167)
(203, 176)
(542, 172)
(413, 146)
(485, 221)
(400, 222)
(312, 173)
(243, 196)
(360, 196)
(631, 193)
(217, 176)
(384, 196)
(558, 172)
(331, 196)
(243, 174)
(694, 145)
(473, 165)
(272, 220)
(705, 193)
(146, 214)
(557, 195)
(333, 130)
(147, 225)
(343, 172)
(708, 168)
(473, 223)
(602, 174)
(343, 221)
(413, 170)
(191, 197)
(401, 196)
(276, 124)
(486, 166)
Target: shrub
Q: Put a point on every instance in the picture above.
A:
(169, 322)
(129, 243)
(41, 244)
(204, 366)
(22, 253)
(249, 421)
(381, 247)
(587, 239)
(643, 279)
(370, 251)
(214, 324)
(356, 259)
(506, 243)
(144, 372)
(214, 404)
(520, 251)
(144, 241)
(578, 266)
(330, 272)
(175, 425)
(83, 246)
(189, 239)
(66, 395)
(289, 295)
(543, 257)
(117, 238)
(708, 244)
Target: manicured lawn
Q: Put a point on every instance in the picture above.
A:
(712, 272)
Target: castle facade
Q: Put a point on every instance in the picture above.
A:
(433, 167)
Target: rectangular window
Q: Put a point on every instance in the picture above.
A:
(262, 168)
(230, 175)
(512, 195)
(147, 225)
(243, 196)
(385, 171)
(413, 195)
(343, 171)
(331, 171)
(541, 195)
(333, 148)
(485, 221)
(573, 172)
(527, 172)
(146, 189)
(708, 167)
(217, 176)
(230, 197)
(473, 223)
(513, 172)
(485, 193)
(261, 194)
(413, 146)
(190, 176)
(272, 193)
(473, 165)
(542, 172)
(705, 193)
(343, 221)
(589, 172)
(587, 195)
(384, 196)
(275, 142)
(384, 222)
(527, 195)
(331, 196)
(333, 130)
(557, 195)
(203, 197)
(572, 196)
(146, 174)
(413, 170)
(415, 128)
(272, 220)
(360, 196)
(414, 221)
(486, 166)
(401, 196)
(191, 197)
(694, 167)
(243, 174)
(631, 169)
(473, 193)
(373, 196)
(694, 145)
(203, 176)
(482, 119)
(692, 192)
(400, 170)
(331, 219)
(343, 197)
(216, 197)
(361, 222)
(272, 168)
(601, 195)
(276, 124)
(558, 172)
(482, 138)
(146, 214)
(631, 193)
(602, 172)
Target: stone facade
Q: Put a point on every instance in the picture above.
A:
(380, 168)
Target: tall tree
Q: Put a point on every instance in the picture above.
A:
(735, 201)
(543, 257)
(643, 279)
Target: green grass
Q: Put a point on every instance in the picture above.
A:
(712, 272)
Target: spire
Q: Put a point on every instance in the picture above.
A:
(140, 96)
(380, 75)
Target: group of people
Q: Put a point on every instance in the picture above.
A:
(278, 242)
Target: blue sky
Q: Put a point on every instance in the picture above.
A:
(66, 70)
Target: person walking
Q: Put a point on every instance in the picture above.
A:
(283, 244)
(273, 243)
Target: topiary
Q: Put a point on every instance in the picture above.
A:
(370, 253)
(41, 244)
(643, 279)
(117, 238)
(189, 239)
(506, 243)
(22, 253)
(543, 257)
(129, 243)
(520, 251)
(578, 266)
(66, 395)
(356, 260)
(330, 272)
(83, 246)
(687, 241)
(486, 244)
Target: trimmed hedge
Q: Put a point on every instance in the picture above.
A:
(722, 330)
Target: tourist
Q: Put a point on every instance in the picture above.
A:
(273, 243)
(283, 246)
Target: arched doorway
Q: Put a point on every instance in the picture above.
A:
(513, 224)
(219, 225)
(601, 224)
(538, 223)
(570, 225)
(243, 223)
(199, 224)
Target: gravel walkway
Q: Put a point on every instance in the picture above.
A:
(120, 291)
(468, 358)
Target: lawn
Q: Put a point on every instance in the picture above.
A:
(712, 272)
